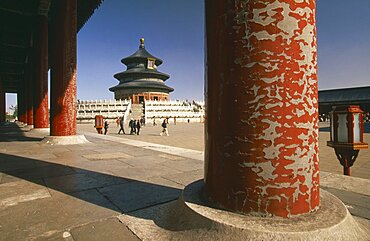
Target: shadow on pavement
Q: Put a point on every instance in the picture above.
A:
(10, 131)
(108, 191)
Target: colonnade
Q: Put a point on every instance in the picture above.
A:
(32, 96)
(261, 133)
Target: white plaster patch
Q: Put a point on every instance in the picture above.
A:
(262, 169)
(264, 35)
(269, 106)
(298, 112)
(270, 134)
(250, 65)
(255, 89)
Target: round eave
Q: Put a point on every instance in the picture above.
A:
(147, 85)
(141, 73)
(139, 56)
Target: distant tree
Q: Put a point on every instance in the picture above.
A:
(14, 108)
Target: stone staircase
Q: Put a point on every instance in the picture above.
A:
(137, 111)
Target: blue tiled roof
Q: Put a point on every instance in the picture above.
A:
(353, 95)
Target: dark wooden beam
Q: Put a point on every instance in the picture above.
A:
(14, 45)
(15, 11)
(4, 61)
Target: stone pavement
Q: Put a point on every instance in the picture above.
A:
(84, 192)
(191, 136)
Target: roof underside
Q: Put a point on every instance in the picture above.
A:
(345, 96)
(137, 73)
(140, 56)
(144, 85)
(16, 28)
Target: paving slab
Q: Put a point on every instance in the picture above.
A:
(104, 156)
(184, 165)
(357, 204)
(143, 173)
(13, 193)
(138, 195)
(109, 229)
(186, 177)
(345, 183)
(41, 172)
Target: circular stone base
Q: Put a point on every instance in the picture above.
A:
(65, 140)
(41, 130)
(331, 222)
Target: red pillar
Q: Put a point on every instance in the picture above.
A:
(40, 111)
(18, 106)
(63, 69)
(2, 103)
(261, 92)
(22, 104)
(29, 92)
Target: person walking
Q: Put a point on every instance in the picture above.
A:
(165, 129)
(118, 121)
(131, 125)
(106, 126)
(134, 126)
(121, 123)
(138, 126)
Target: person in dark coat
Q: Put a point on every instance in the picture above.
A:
(138, 126)
(121, 126)
(106, 126)
(165, 129)
(131, 124)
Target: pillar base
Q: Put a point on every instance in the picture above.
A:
(192, 217)
(331, 222)
(65, 140)
(41, 130)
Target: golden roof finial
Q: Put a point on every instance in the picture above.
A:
(142, 43)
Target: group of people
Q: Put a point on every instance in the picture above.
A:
(134, 125)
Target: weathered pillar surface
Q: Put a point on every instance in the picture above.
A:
(2, 103)
(20, 104)
(261, 133)
(28, 91)
(41, 111)
(19, 116)
(63, 70)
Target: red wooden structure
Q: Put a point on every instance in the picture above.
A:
(347, 134)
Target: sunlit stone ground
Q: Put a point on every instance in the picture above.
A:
(191, 136)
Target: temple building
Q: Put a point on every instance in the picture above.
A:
(141, 81)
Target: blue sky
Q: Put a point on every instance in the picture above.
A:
(174, 32)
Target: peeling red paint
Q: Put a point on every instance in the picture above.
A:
(29, 93)
(41, 110)
(63, 71)
(22, 104)
(2, 103)
(261, 90)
